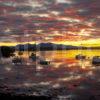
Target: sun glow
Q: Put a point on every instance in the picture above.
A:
(87, 43)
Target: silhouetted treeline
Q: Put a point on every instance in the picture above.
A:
(51, 46)
(6, 51)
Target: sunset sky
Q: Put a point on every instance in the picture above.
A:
(68, 22)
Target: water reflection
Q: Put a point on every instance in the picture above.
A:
(64, 70)
(55, 59)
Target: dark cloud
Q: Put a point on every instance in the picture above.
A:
(22, 17)
(23, 9)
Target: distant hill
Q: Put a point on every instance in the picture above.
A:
(50, 46)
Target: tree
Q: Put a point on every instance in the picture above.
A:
(7, 51)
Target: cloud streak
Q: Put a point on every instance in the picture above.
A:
(50, 20)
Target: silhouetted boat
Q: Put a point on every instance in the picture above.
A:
(80, 57)
(96, 60)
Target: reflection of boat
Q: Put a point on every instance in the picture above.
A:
(41, 61)
(80, 57)
(96, 60)
(44, 62)
(20, 53)
(33, 57)
(17, 60)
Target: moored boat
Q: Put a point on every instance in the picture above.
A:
(96, 60)
(80, 57)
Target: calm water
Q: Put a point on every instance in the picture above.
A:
(65, 54)
(60, 58)
(68, 54)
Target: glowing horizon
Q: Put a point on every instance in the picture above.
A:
(88, 43)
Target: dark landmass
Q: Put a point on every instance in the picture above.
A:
(23, 97)
(44, 47)
(50, 46)
(6, 52)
